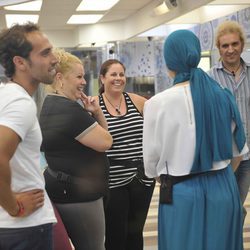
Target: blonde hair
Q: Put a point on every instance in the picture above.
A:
(65, 60)
(229, 27)
(65, 64)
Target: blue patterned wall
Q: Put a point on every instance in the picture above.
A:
(146, 58)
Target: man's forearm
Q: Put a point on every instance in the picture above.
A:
(7, 198)
(235, 162)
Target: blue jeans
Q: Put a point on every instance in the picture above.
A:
(29, 238)
(242, 175)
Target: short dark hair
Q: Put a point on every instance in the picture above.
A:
(13, 42)
(104, 69)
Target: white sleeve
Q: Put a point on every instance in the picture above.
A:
(235, 149)
(150, 151)
(19, 115)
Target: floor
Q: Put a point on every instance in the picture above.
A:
(150, 229)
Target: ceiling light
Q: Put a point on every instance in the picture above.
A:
(90, 5)
(30, 6)
(20, 19)
(10, 2)
(165, 6)
(84, 19)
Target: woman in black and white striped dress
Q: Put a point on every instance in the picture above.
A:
(130, 190)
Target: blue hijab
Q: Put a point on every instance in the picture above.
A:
(214, 106)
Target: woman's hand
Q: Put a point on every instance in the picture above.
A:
(90, 104)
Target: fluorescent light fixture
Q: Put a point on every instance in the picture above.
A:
(20, 19)
(30, 6)
(91, 5)
(84, 19)
(10, 2)
(165, 7)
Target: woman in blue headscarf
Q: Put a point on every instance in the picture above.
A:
(193, 139)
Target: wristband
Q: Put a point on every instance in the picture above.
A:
(20, 210)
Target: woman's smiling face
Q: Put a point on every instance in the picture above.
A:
(73, 82)
(114, 80)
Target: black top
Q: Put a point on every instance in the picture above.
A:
(62, 120)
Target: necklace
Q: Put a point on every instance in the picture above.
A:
(117, 107)
(232, 71)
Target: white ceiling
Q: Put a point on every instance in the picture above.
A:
(54, 14)
(127, 19)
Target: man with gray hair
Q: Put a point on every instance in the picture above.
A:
(233, 73)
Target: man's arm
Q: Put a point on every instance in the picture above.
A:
(30, 200)
(235, 162)
(8, 144)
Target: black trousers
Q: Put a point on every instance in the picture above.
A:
(126, 211)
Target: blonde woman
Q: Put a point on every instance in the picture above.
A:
(74, 141)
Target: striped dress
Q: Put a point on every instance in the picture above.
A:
(126, 131)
